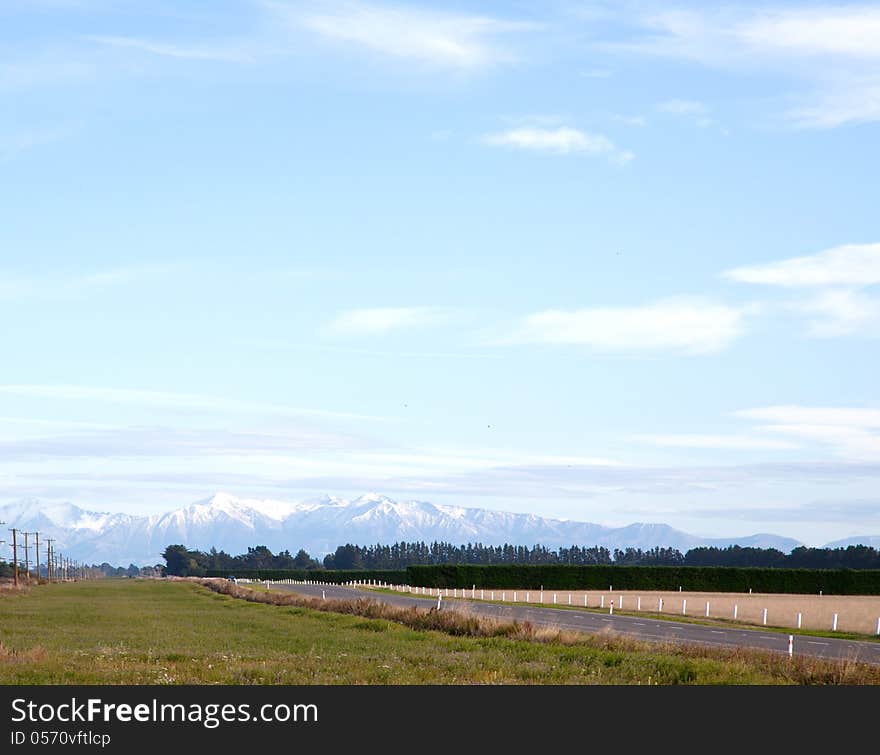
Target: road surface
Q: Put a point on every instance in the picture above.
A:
(652, 630)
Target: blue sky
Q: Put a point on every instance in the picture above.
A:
(612, 262)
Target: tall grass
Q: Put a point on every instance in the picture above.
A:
(801, 669)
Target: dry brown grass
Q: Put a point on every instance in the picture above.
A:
(30, 655)
(8, 588)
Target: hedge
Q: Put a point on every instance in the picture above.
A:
(691, 578)
(334, 576)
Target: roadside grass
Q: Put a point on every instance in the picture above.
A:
(669, 616)
(178, 632)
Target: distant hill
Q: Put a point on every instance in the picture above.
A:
(320, 525)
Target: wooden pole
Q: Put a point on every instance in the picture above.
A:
(27, 566)
(14, 558)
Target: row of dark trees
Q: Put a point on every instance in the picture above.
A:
(181, 561)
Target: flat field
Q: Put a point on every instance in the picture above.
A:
(177, 632)
(857, 614)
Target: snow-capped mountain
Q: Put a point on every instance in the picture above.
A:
(872, 541)
(320, 525)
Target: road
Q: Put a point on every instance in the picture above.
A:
(652, 630)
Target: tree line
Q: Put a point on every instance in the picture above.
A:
(182, 561)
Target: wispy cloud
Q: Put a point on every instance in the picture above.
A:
(78, 284)
(182, 401)
(849, 265)
(382, 320)
(560, 141)
(839, 308)
(631, 120)
(729, 442)
(841, 312)
(47, 70)
(858, 511)
(811, 415)
(834, 49)
(851, 432)
(13, 145)
(442, 39)
(685, 325)
(682, 107)
(232, 52)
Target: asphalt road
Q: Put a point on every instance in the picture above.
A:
(656, 630)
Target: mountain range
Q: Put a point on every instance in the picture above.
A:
(320, 525)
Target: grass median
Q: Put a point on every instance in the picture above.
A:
(179, 632)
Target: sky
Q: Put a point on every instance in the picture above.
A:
(612, 262)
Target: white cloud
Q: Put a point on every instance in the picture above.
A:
(731, 442)
(596, 73)
(380, 320)
(232, 54)
(850, 99)
(682, 107)
(437, 38)
(834, 49)
(852, 31)
(13, 145)
(750, 37)
(842, 312)
(851, 433)
(807, 415)
(631, 120)
(46, 71)
(560, 141)
(177, 401)
(689, 325)
(851, 264)
(15, 287)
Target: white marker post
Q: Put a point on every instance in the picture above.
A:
(834, 624)
(765, 617)
(611, 608)
(569, 599)
(323, 595)
(660, 605)
(684, 607)
(620, 602)
(528, 595)
(735, 609)
(554, 599)
(639, 603)
(790, 645)
(707, 609)
(799, 620)
(502, 597)
(878, 620)
(601, 601)
(439, 598)
(514, 596)
(481, 594)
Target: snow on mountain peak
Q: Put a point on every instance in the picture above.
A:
(320, 525)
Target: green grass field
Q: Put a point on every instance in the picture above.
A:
(157, 632)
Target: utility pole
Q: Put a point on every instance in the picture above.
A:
(27, 566)
(49, 542)
(14, 558)
(37, 549)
